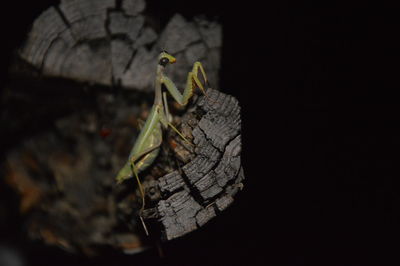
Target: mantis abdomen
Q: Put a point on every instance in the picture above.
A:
(147, 145)
(146, 148)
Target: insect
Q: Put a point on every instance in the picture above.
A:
(147, 145)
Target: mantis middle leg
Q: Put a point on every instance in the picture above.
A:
(166, 119)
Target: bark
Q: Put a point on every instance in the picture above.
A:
(70, 112)
(203, 187)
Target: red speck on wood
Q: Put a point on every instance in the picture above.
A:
(105, 132)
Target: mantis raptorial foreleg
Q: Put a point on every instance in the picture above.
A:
(147, 145)
(191, 83)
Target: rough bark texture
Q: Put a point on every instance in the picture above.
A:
(72, 107)
(205, 185)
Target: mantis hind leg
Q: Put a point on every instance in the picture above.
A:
(143, 162)
(134, 170)
(141, 190)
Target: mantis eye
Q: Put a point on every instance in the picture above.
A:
(164, 61)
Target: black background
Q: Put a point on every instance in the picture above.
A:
(318, 85)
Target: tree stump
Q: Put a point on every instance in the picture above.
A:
(95, 60)
(204, 186)
(107, 42)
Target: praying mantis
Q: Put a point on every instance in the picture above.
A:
(147, 145)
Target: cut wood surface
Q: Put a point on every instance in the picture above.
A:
(198, 190)
(107, 42)
(79, 85)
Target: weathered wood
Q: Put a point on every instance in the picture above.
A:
(65, 179)
(66, 175)
(107, 42)
(208, 182)
(65, 171)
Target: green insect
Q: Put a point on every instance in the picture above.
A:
(147, 145)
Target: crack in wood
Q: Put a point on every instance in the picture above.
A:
(62, 16)
(58, 44)
(94, 42)
(207, 183)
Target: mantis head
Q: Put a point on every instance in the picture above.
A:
(165, 58)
